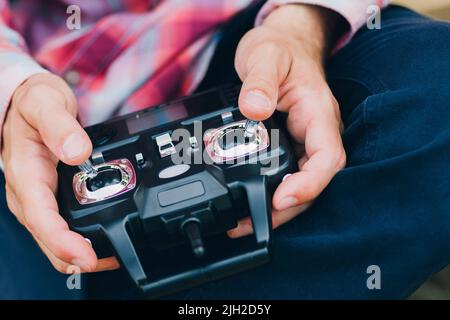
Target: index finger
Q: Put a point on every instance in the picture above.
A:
(325, 157)
(34, 190)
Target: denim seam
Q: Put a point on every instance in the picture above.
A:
(360, 76)
(370, 120)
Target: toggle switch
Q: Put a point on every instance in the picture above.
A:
(193, 142)
(165, 145)
(227, 117)
(140, 159)
(97, 158)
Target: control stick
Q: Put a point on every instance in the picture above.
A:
(250, 128)
(192, 230)
(88, 168)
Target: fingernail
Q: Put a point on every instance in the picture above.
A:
(74, 146)
(287, 176)
(258, 100)
(83, 265)
(88, 241)
(287, 203)
(244, 229)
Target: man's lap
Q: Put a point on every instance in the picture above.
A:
(25, 272)
(386, 208)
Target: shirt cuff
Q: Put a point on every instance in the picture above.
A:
(354, 12)
(15, 68)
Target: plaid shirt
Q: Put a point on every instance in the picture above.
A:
(128, 54)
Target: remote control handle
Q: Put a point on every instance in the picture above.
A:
(260, 210)
(259, 207)
(117, 234)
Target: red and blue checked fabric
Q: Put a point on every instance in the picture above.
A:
(128, 54)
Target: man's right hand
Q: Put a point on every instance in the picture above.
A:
(40, 129)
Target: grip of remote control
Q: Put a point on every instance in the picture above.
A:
(117, 233)
(259, 207)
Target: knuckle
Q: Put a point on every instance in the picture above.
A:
(335, 105)
(303, 192)
(273, 49)
(20, 219)
(13, 171)
(341, 159)
(252, 36)
(308, 193)
(36, 93)
(9, 174)
(261, 82)
(297, 94)
(327, 105)
(29, 221)
(61, 269)
(71, 103)
(59, 266)
(29, 226)
(60, 251)
(35, 102)
(268, 47)
(41, 116)
(10, 202)
(10, 138)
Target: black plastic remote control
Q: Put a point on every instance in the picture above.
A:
(171, 180)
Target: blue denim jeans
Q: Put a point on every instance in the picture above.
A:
(389, 207)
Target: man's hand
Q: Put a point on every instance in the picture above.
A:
(39, 130)
(281, 66)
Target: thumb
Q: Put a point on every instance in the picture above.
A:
(265, 69)
(57, 126)
(259, 92)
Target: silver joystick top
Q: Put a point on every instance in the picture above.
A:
(250, 128)
(88, 168)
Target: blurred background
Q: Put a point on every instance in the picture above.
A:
(438, 286)
(439, 9)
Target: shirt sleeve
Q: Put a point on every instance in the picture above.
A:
(355, 12)
(16, 65)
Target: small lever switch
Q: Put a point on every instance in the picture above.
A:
(165, 145)
(193, 143)
(227, 117)
(140, 159)
(97, 158)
